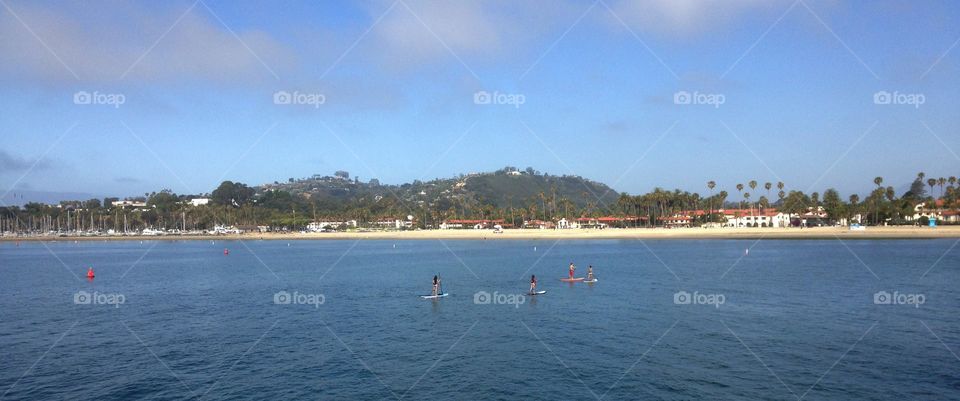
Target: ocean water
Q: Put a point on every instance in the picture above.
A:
(676, 319)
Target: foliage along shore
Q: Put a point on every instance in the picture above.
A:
(825, 233)
(509, 194)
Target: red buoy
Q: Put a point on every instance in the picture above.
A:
(90, 272)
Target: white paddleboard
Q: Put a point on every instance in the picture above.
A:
(433, 296)
(591, 281)
(537, 293)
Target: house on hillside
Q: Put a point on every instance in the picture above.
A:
(128, 203)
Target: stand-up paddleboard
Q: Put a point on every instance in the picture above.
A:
(537, 293)
(590, 281)
(433, 296)
(572, 280)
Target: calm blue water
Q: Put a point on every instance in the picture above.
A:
(798, 320)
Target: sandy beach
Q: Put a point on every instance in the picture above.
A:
(842, 233)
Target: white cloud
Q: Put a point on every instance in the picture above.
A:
(100, 43)
(476, 31)
(688, 17)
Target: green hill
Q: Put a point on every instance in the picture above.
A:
(502, 188)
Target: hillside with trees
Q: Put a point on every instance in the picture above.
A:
(509, 194)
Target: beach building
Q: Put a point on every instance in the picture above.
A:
(936, 210)
(394, 224)
(675, 221)
(949, 216)
(764, 217)
(199, 201)
(481, 224)
(610, 221)
(539, 224)
(564, 224)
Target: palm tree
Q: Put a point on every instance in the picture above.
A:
(740, 190)
(711, 184)
(543, 205)
(931, 182)
(746, 197)
(876, 209)
(767, 186)
(891, 195)
(854, 199)
(941, 181)
(952, 180)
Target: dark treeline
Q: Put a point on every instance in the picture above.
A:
(236, 204)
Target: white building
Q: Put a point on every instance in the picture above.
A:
(755, 218)
(199, 201)
(128, 203)
(317, 226)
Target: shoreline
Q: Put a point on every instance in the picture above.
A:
(832, 233)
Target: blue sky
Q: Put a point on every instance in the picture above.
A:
(399, 78)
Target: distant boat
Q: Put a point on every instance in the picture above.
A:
(151, 232)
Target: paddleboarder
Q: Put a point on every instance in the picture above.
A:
(572, 268)
(533, 283)
(436, 285)
(590, 273)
